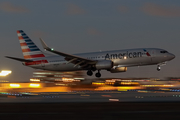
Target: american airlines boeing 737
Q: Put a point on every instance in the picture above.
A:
(114, 61)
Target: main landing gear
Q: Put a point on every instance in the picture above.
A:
(98, 74)
(90, 73)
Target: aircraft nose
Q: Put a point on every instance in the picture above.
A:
(171, 56)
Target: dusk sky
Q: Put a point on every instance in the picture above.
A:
(78, 26)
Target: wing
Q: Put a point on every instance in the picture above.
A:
(76, 60)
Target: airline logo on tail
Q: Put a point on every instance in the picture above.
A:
(29, 49)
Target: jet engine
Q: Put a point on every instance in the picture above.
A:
(104, 64)
(118, 69)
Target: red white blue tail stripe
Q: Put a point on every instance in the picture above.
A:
(29, 49)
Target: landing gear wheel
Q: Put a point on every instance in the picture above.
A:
(158, 68)
(98, 74)
(89, 72)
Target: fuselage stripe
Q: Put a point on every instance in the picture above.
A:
(36, 62)
(25, 37)
(32, 53)
(20, 37)
(33, 46)
(23, 44)
(33, 56)
(25, 50)
(35, 49)
(30, 43)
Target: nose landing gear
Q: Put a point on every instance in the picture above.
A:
(158, 68)
(160, 64)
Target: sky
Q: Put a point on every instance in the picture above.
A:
(78, 26)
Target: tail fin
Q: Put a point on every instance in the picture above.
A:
(29, 49)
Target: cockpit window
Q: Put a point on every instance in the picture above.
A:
(163, 51)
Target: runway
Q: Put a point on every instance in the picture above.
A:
(80, 105)
(91, 105)
(89, 111)
(83, 96)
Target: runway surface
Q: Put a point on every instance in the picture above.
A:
(89, 111)
(91, 105)
(130, 96)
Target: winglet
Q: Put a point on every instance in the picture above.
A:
(44, 45)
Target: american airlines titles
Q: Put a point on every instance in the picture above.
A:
(124, 55)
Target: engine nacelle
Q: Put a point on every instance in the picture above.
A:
(104, 64)
(118, 69)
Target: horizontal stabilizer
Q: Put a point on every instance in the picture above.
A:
(19, 59)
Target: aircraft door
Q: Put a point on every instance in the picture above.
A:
(153, 53)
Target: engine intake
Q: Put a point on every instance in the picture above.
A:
(104, 64)
(118, 69)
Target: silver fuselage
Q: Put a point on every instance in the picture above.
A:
(120, 58)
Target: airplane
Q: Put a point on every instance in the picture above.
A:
(114, 61)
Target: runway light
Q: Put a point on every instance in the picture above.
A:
(5, 72)
(35, 80)
(110, 80)
(4, 81)
(115, 100)
(34, 85)
(15, 85)
(67, 79)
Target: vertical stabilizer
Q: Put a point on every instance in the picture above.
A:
(29, 49)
